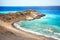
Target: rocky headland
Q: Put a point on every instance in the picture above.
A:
(26, 15)
(8, 32)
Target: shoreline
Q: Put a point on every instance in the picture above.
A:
(7, 22)
(25, 35)
(36, 33)
(16, 32)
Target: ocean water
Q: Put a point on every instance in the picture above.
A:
(48, 25)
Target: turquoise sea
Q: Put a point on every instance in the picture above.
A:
(48, 25)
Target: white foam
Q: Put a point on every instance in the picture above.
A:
(19, 27)
(57, 33)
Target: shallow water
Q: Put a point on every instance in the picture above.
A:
(48, 25)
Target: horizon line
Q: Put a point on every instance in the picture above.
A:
(23, 6)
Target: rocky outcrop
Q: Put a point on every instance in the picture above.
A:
(32, 14)
(26, 15)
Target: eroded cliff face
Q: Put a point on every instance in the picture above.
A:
(18, 16)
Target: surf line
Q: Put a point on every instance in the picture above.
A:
(36, 33)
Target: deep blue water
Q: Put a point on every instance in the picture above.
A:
(42, 9)
(48, 25)
(18, 8)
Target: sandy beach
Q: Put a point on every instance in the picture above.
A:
(9, 32)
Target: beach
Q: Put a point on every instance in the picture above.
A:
(8, 32)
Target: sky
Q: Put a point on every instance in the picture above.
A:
(29, 2)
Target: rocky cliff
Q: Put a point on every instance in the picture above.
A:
(26, 15)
